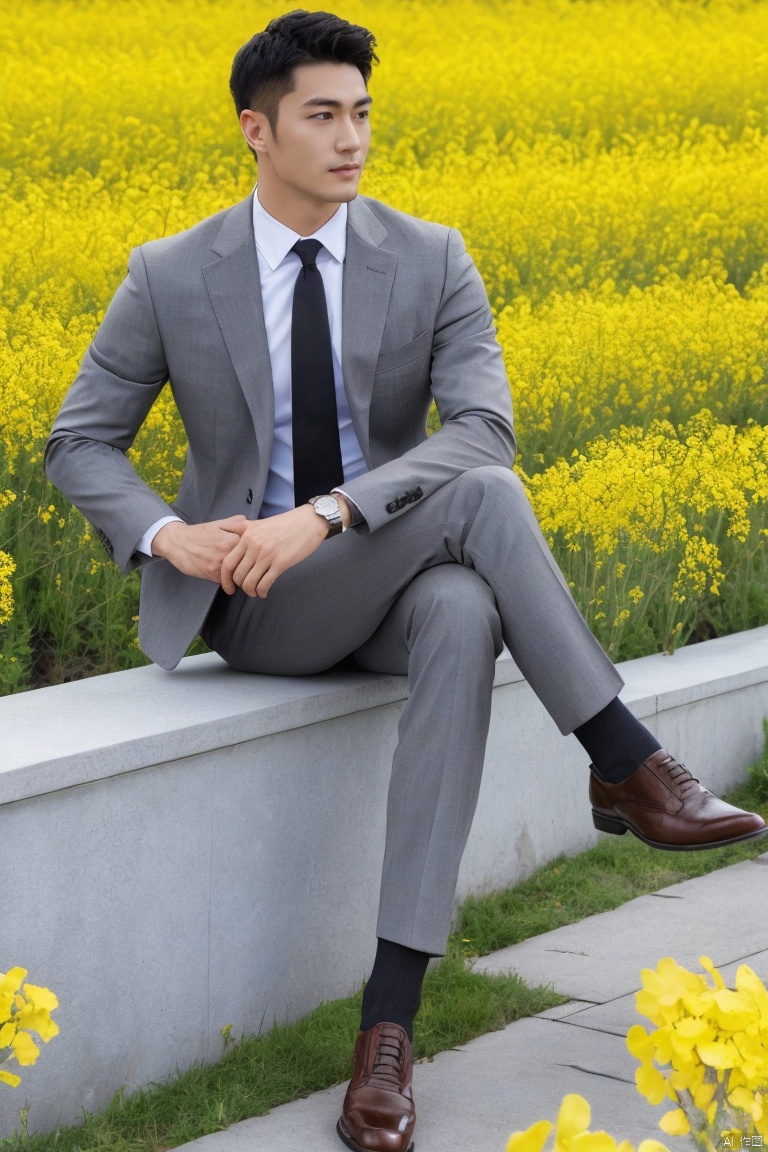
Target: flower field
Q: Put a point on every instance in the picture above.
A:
(607, 164)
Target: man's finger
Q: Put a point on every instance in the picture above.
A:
(236, 524)
(257, 579)
(229, 565)
(250, 573)
(266, 582)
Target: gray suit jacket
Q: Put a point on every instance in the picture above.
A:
(416, 325)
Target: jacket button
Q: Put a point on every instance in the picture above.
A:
(391, 507)
(249, 496)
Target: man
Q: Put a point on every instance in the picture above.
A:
(305, 333)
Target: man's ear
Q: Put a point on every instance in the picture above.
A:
(257, 131)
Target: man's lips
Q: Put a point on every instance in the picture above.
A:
(346, 168)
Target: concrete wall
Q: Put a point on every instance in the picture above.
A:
(181, 851)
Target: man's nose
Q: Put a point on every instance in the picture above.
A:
(347, 139)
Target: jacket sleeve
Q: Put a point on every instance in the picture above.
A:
(121, 375)
(470, 388)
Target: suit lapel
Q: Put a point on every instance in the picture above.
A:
(234, 289)
(369, 272)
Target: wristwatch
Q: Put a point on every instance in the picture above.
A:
(328, 508)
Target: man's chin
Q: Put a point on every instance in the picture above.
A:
(344, 194)
(344, 190)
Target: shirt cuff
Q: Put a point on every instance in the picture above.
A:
(355, 515)
(145, 544)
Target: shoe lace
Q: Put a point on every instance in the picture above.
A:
(682, 778)
(389, 1059)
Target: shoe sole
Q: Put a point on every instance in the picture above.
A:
(619, 827)
(347, 1139)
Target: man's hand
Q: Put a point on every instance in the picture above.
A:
(267, 548)
(242, 553)
(199, 549)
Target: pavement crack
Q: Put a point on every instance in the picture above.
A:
(566, 951)
(666, 896)
(588, 1027)
(592, 1072)
(759, 952)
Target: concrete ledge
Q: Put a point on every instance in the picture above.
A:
(202, 848)
(89, 730)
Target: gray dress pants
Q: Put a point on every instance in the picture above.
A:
(431, 595)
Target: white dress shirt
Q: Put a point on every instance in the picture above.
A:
(278, 270)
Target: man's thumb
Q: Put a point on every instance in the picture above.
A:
(233, 523)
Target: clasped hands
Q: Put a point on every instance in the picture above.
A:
(241, 553)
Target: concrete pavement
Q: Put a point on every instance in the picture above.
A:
(470, 1098)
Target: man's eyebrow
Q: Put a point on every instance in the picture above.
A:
(317, 101)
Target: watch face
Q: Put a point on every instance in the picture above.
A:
(326, 505)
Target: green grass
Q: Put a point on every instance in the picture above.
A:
(290, 1061)
(293, 1060)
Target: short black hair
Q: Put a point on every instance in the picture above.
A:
(262, 71)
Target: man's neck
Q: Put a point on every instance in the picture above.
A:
(302, 216)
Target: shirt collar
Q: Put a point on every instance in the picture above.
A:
(275, 241)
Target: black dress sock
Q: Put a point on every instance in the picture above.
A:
(616, 742)
(393, 991)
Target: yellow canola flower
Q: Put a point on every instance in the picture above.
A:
(667, 991)
(35, 1015)
(715, 1042)
(582, 362)
(679, 508)
(532, 1140)
(685, 1076)
(650, 1083)
(703, 1096)
(10, 982)
(719, 1054)
(751, 985)
(7, 569)
(709, 967)
(24, 1048)
(640, 1043)
(572, 1120)
(572, 1133)
(24, 1008)
(686, 1036)
(747, 1101)
(645, 485)
(675, 1123)
(735, 1010)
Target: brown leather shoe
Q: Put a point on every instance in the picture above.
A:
(666, 807)
(378, 1113)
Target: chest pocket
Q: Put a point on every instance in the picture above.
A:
(413, 350)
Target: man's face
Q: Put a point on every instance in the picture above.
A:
(322, 138)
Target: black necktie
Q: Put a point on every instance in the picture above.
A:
(317, 466)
